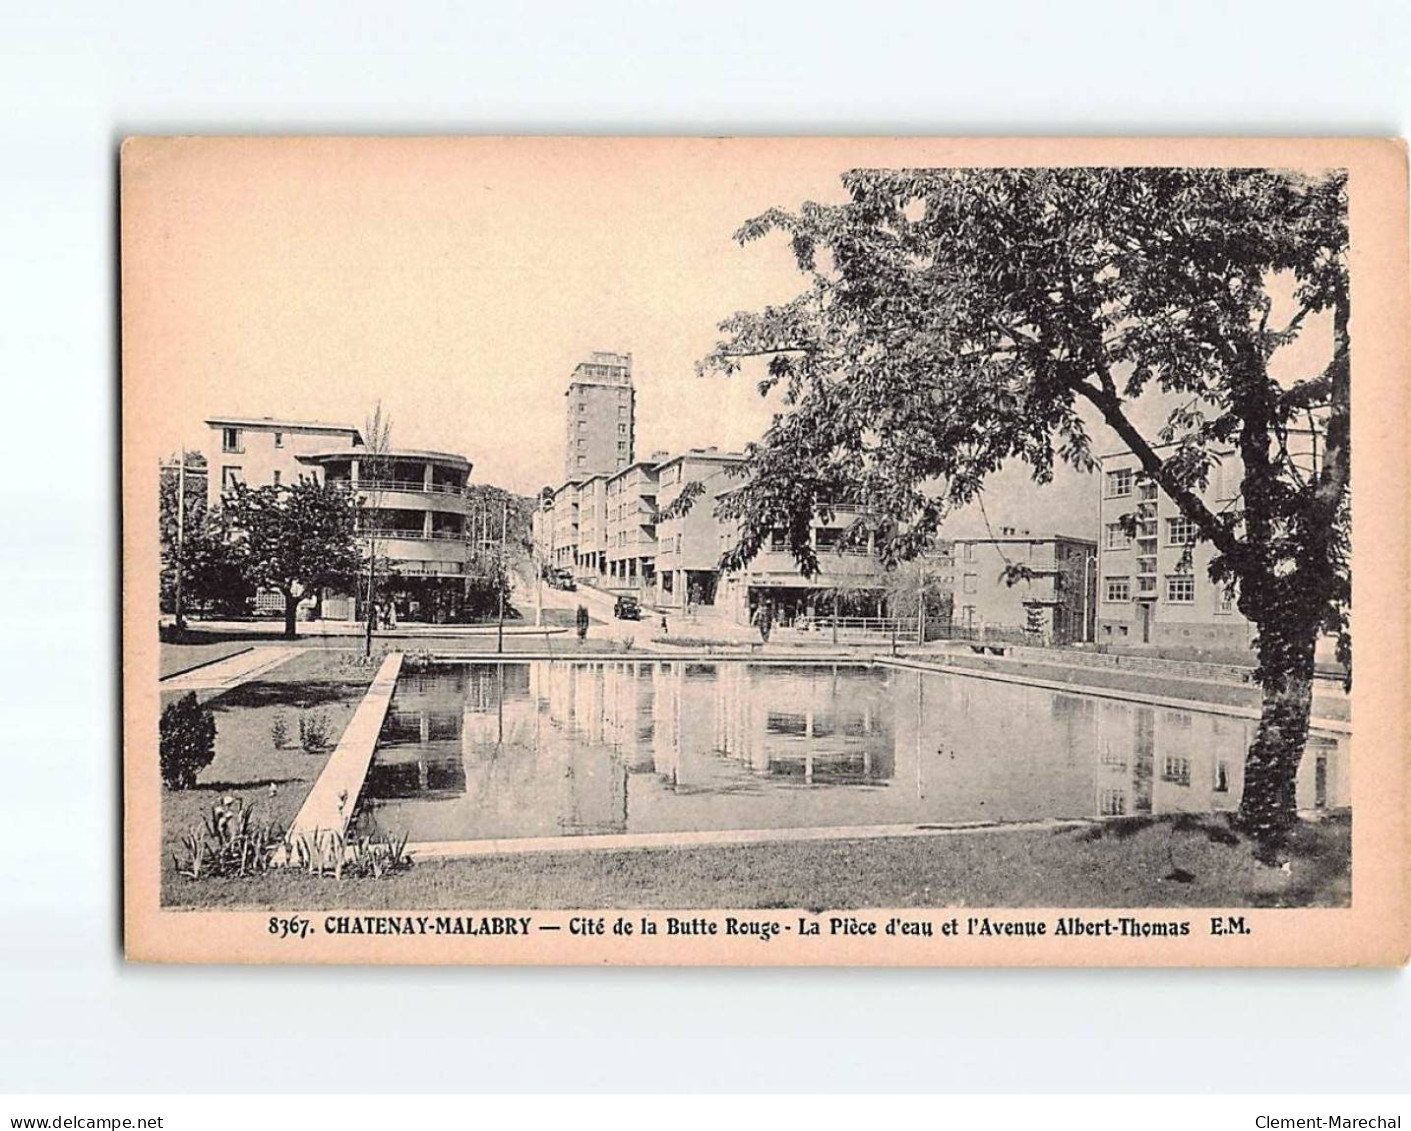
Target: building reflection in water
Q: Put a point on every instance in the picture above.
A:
(558, 748)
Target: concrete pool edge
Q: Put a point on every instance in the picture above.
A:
(1330, 726)
(330, 803)
(1229, 710)
(723, 838)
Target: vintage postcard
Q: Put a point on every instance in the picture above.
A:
(765, 551)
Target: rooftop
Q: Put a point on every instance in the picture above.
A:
(1007, 535)
(711, 453)
(275, 424)
(362, 453)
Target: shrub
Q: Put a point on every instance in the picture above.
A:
(279, 731)
(188, 741)
(327, 852)
(229, 842)
(315, 732)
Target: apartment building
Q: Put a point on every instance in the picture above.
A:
(850, 576)
(689, 545)
(632, 525)
(563, 522)
(599, 416)
(414, 506)
(1025, 585)
(263, 451)
(1155, 591)
(591, 558)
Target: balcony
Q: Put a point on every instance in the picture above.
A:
(417, 534)
(411, 486)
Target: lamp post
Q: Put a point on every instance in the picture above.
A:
(180, 536)
(1087, 564)
(501, 579)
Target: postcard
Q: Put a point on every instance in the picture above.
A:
(749, 551)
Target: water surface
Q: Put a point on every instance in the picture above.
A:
(542, 748)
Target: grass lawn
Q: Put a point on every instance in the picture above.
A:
(1133, 863)
(321, 680)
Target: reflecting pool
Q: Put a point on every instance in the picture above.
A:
(542, 748)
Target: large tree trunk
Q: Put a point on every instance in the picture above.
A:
(291, 610)
(1267, 807)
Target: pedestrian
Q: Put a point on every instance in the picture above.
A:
(764, 620)
(391, 614)
(581, 619)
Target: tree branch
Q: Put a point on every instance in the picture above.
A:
(1192, 506)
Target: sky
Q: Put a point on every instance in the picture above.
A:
(460, 283)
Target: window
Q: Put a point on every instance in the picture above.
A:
(1119, 483)
(1146, 491)
(1225, 602)
(1176, 770)
(622, 430)
(1222, 777)
(1180, 589)
(622, 445)
(1118, 589)
(230, 440)
(968, 552)
(279, 439)
(582, 426)
(1117, 538)
(276, 479)
(968, 583)
(622, 412)
(582, 459)
(1180, 531)
(229, 477)
(1112, 802)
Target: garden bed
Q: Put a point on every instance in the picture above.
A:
(320, 683)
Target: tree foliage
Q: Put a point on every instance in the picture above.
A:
(955, 320)
(212, 572)
(295, 538)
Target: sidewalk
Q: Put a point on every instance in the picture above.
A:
(229, 672)
(338, 628)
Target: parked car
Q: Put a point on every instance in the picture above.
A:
(562, 579)
(627, 608)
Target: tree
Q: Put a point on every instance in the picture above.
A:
(183, 475)
(502, 550)
(918, 590)
(957, 319)
(376, 471)
(296, 538)
(198, 544)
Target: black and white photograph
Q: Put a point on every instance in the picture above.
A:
(662, 566)
(721, 527)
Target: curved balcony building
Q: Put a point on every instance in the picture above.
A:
(416, 510)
